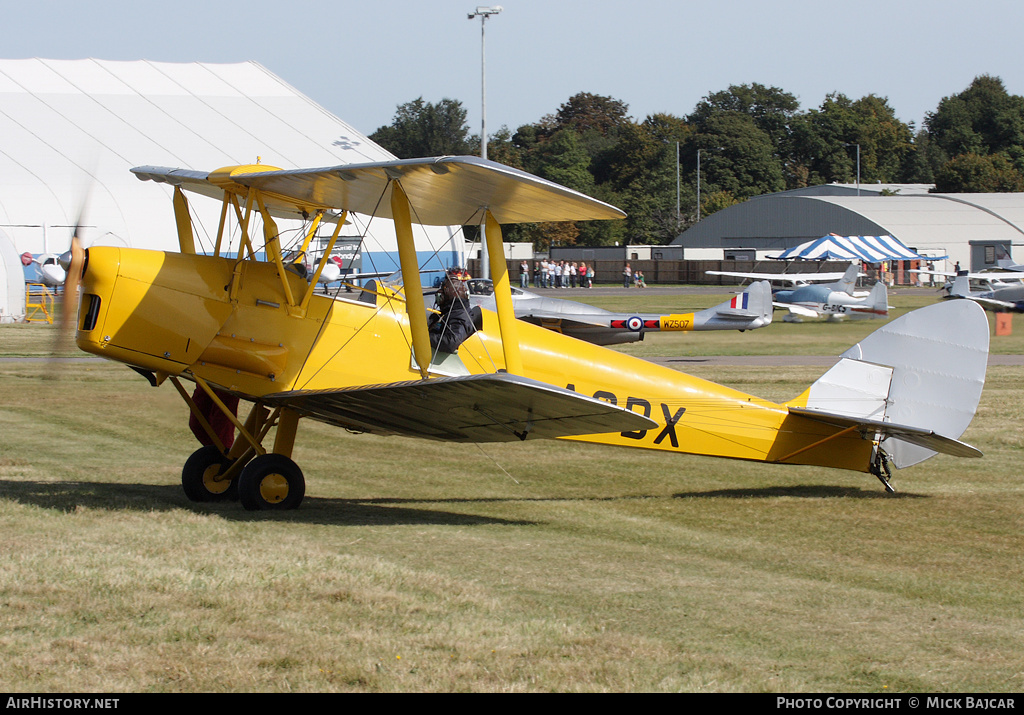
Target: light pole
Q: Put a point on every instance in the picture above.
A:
(698, 185)
(858, 165)
(679, 219)
(483, 13)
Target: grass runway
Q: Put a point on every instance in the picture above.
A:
(417, 566)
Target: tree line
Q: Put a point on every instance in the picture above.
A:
(748, 140)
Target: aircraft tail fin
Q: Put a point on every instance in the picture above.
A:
(848, 282)
(748, 310)
(914, 384)
(753, 305)
(875, 305)
(879, 299)
(961, 286)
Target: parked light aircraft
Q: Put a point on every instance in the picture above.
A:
(832, 300)
(816, 301)
(49, 270)
(1002, 296)
(748, 310)
(257, 331)
(981, 282)
(334, 273)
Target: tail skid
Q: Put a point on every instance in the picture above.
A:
(913, 385)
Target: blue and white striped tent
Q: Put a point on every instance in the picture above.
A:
(869, 249)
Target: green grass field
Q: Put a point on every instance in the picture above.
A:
(540, 566)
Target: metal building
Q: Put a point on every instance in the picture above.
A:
(974, 230)
(70, 130)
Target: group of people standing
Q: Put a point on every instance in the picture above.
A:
(557, 274)
(631, 277)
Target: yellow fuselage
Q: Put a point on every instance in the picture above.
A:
(230, 323)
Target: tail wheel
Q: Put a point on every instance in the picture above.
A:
(271, 481)
(199, 476)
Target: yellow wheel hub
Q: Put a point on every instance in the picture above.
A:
(273, 488)
(212, 483)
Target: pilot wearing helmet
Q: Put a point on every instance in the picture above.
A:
(455, 321)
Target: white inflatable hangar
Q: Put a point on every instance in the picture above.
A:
(70, 130)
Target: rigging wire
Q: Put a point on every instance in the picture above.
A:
(516, 481)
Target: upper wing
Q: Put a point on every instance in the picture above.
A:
(782, 277)
(479, 408)
(443, 191)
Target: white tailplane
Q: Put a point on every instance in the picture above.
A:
(915, 383)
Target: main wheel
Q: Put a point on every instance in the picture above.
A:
(271, 481)
(199, 476)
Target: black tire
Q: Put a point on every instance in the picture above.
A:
(198, 476)
(271, 481)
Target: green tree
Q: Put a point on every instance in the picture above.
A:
(716, 201)
(983, 119)
(736, 156)
(974, 173)
(563, 159)
(917, 168)
(771, 108)
(502, 149)
(585, 112)
(886, 143)
(422, 129)
(823, 143)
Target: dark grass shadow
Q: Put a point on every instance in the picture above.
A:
(70, 496)
(381, 511)
(809, 491)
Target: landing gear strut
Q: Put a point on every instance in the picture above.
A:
(248, 472)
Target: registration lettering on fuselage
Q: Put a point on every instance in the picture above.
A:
(632, 403)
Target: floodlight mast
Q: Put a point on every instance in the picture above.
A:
(483, 13)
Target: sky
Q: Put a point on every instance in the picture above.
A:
(361, 59)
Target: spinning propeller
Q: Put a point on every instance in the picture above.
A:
(73, 263)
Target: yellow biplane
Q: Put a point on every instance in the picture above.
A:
(257, 331)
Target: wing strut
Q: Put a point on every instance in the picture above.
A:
(503, 297)
(186, 240)
(324, 257)
(414, 304)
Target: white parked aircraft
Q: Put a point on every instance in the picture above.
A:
(1009, 296)
(832, 300)
(49, 270)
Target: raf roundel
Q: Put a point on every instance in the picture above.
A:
(635, 323)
